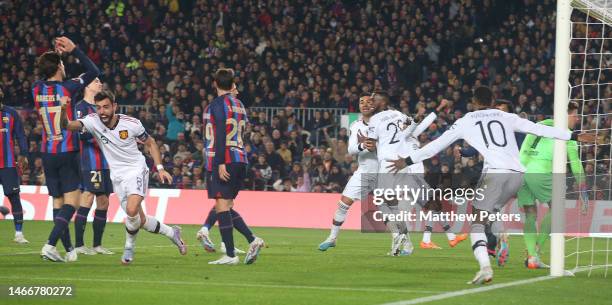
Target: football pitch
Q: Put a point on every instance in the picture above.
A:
(290, 271)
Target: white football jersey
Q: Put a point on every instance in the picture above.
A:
(387, 128)
(118, 144)
(368, 163)
(491, 133)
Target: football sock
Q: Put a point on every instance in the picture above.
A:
(210, 219)
(241, 226)
(491, 238)
(155, 226)
(339, 217)
(99, 223)
(60, 229)
(479, 245)
(544, 231)
(427, 232)
(449, 235)
(530, 234)
(17, 211)
(132, 225)
(80, 221)
(226, 228)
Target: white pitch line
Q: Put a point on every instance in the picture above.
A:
(458, 293)
(213, 283)
(114, 248)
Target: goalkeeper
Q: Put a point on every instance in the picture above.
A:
(537, 156)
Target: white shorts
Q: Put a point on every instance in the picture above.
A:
(498, 186)
(404, 179)
(359, 185)
(130, 182)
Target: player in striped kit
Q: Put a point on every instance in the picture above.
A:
(11, 128)
(226, 165)
(95, 180)
(60, 148)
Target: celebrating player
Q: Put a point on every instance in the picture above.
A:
(225, 121)
(536, 155)
(95, 180)
(60, 147)
(119, 136)
(490, 132)
(11, 128)
(363, 180)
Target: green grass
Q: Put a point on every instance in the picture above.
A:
(290, 271)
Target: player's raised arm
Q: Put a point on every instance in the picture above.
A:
(65, 45)
(429, 150)
(356, 141)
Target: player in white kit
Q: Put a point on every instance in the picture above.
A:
(491, 133)
(118, 137)
(363, 180)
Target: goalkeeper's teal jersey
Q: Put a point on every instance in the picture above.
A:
(537, 154)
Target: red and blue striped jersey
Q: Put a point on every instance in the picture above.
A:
(11, 128)
(47, 101)
(92, 158)
(225, 120)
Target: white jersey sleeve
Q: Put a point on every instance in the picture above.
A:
(353, 142)
(424, 124)
(88, 122)
(527, 126)
(453, 134)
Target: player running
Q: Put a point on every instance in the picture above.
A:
(225, 121)
(60, 147)
(118, 136)
(363, 181)
(95, 180)
(536, 155)
(11, 129)
(490, 132)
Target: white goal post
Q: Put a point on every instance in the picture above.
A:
(600, 10)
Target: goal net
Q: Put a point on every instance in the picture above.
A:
(590, 85)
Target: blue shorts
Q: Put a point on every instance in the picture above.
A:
(219, 189)
(62, 172)
(9, 180)
(97, 182)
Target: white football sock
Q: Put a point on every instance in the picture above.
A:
(155, 226)
(339, 218)
(450, 235)
(426, 237)
(131, 224)
(479, 245)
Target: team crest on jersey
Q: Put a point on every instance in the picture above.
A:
(123, 134)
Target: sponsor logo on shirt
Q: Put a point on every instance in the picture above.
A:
(123, 134)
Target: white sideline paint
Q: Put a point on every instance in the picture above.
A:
(458, 293)
(213, 283)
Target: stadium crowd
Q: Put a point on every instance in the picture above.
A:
(159, 56)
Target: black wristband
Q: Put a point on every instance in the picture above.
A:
(360, 147)
(408, 161)
(574, 136)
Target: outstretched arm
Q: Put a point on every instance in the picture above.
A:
(65, 123)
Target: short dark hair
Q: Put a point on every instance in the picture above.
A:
(505, 102)
(104, 94)
(483, 95)
(48, 63)
(384, 95)
(572, 106)
(224, 78)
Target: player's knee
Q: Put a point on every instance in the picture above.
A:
(346, 200)
(102, 202)
(87, 199)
